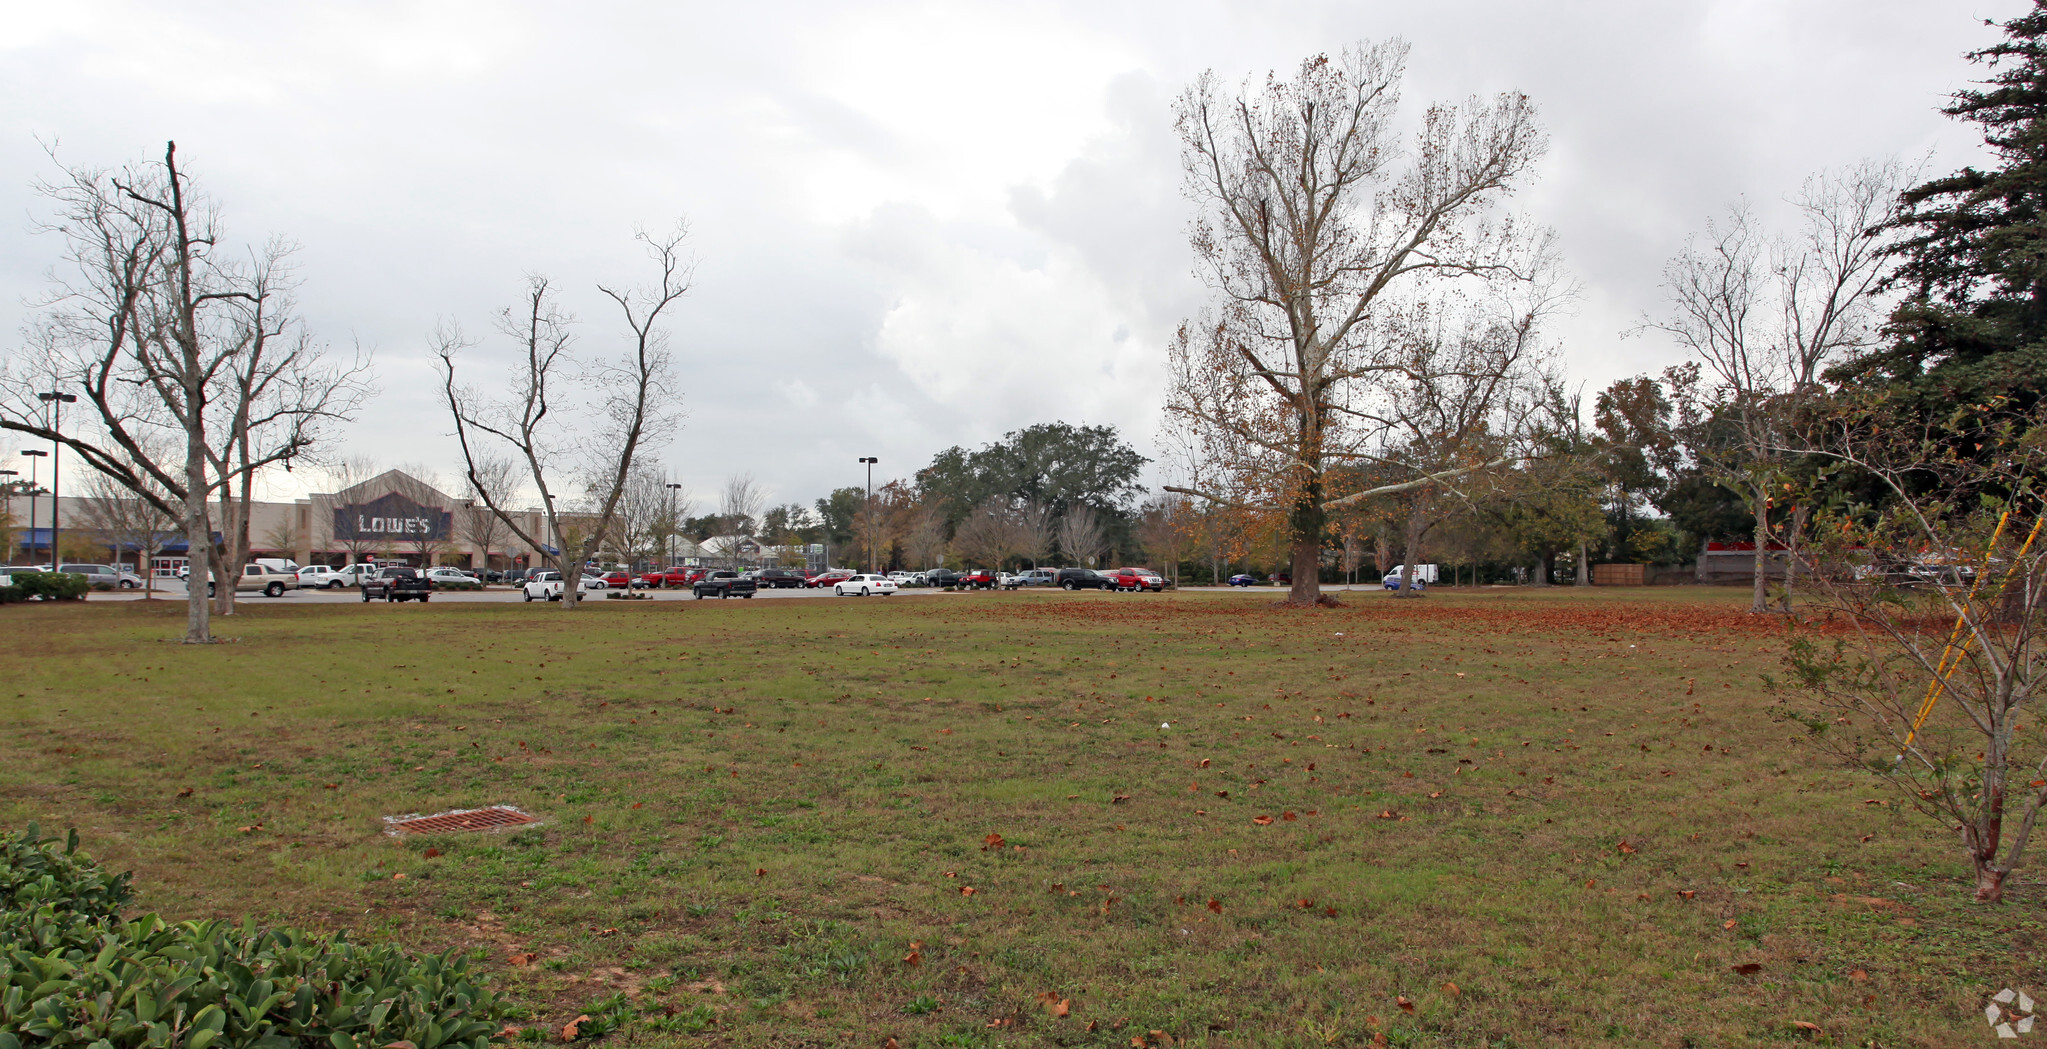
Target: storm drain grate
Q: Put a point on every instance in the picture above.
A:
(491, 818)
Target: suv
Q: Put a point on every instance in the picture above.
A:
(942, 578)
(1081, 579)
(977, 579)
(271, 582)
(104, 575)
(779, 579)
(1034, 577)
(1135, 579)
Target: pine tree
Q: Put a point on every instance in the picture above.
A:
(1973, 325)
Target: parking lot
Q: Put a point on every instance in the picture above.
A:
(349, 595)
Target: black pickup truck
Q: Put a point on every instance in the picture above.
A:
(723, 584)
(398, 584)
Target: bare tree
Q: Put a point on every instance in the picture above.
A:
(990, 534)
(125, 521)
(1928, 670)
(642, 515)
(164, 333)
(1766, 314)
(1309, 224)
(338, 476)
(1081, 536)
(634, 403)
(1161, 527)
(1035, 534)
(740, 502)
(482, 529)
(924, 542)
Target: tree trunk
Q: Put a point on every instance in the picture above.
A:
(1543, 566)
(1761, 602)
(1791, 535)
(1584, 570)
(1305, 523)
(198, 543)
(1412, 554)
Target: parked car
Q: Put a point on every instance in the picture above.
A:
(723, 584)
(262, 579)
(104, 575)
(1135, 579)
(829, 577)
(902, 578)
(779, 579)
(455, 577)
(1034, 577)
(398, 584)
(1007, 581)
(942, 578)
(1081, 579)
(545, 584)
(617, 579)
(977, 579)
(353, 575)
(865, 585)
(321, 577)
(1243, 579)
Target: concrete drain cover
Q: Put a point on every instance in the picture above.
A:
(455, 820)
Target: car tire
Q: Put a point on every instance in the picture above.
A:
(209, 590)
(529, 597)
(366, 595)
(1070, 585)
(274, 590)
(126, 585)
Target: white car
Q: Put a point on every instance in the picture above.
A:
(864, 585)
(902, 578)
(547, 586)
(450, 575)
(323, 577)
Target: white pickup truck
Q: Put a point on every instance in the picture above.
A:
(547, 586)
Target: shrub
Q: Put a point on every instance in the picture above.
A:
(10, 594)
(52, 586)
(73, 974)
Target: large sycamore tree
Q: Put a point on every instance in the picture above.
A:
(1322, 224)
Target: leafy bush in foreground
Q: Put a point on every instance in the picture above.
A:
(73, 974)
(52, 586)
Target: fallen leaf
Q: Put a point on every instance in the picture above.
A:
(1119, 799)
(1858, 975)
(1748, 968)
(1288, 816)
(1435, 794)
(1263, 821)
(1686, 894)
(637, 804)
(525, 958)
(570, 1029)
(1806, 1026)
(1405, 1005)
(1215, 905)
(968, 890)
(1625, 848)
(915, 957)
(992, 841)
(1451, 989)
(431, 853)
(1728, 924)
(186, 793)
(760, 872)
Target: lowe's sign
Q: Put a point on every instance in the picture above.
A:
(392, 517)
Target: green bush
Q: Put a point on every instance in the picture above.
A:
(10, 594)
(51, 586)
(73, 974)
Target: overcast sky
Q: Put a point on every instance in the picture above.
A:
(917, 225)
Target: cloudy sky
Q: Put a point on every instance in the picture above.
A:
(916, 225)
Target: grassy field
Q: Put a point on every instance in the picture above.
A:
(1503, 818)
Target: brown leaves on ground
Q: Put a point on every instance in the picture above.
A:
(523, 958)
(992, 841)
(1747, 968)
(1057, 1006)
(1406, 1005)
(574, 1027)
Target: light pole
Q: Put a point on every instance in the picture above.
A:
(56, 402)
(35, 489)
(870, 461)
(674, 526)
(12, 490)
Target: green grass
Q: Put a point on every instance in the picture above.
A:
(1573, 806)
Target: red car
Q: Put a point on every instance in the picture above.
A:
(1134, 579)
(618, 579)
(977, 579)
(676, 575)
(826, 579)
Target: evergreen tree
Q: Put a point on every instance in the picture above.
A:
(1974, 254)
